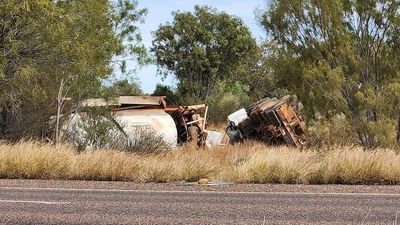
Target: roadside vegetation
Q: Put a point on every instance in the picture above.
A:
(340, 58)
(247, 163)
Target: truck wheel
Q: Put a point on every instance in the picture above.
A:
(193, 133)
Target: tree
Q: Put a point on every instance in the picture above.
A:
(202, 48)
(341, 57)
(225, 99)
(43, 42)
(167, 91)
(124, 87)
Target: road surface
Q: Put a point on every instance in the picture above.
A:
(80, 202)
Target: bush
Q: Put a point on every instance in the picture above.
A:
(92, 128)
(226, 99)
(336, 131)
(145, 141)
(339, 131)
(100, 131)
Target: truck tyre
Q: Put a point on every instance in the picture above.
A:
(193, 133)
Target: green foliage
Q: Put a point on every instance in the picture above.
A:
(260, 78)
(339, 57)
(202, 48)
(98, 128)
(45, 41)
(145, 141)
(225, 99)
(124, 88)
(333, 132)
(169, 92)
(94, 128)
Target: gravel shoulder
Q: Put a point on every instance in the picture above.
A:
(118, 185)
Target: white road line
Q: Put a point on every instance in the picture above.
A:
(34, 202)
(207, 192)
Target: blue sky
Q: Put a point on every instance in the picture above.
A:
(159, 12)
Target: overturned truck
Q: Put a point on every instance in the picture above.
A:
(271, 120)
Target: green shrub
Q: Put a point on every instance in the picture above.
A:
(226, 99)
(335, 131)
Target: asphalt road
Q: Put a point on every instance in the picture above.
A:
(77, 202)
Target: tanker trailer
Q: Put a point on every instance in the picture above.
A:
(132, 118)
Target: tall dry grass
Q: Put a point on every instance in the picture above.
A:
(247, 163)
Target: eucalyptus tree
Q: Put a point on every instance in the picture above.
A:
(204, 47)
(340, 56)
(45, 41)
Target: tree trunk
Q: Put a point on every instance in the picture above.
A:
(398, 131)
(59, 106)
(3, 122)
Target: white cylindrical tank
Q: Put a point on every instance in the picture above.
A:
(133, 122)
(154, 120)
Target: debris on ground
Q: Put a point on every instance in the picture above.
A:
(214, 138)
(208, 183)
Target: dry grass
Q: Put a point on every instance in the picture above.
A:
(217, 126)
(247, 163)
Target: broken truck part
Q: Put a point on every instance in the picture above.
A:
(190, 123)
(271, 120)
